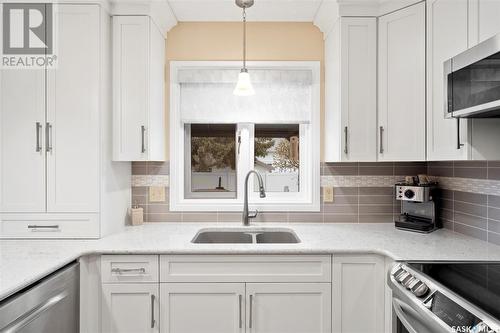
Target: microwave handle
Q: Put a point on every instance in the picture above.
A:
(459, 144)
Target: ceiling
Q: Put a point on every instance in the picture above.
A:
(262, 10)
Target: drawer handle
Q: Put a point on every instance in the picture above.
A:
(120, 271)
(153, 321)
(239, 312)
(36, 227)
(251, 312)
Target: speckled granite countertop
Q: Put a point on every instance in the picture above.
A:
(23, 262)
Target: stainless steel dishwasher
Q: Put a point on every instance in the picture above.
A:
(48, 306)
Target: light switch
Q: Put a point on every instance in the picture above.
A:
(156, 194)
(328, 194)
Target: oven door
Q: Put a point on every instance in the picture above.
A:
(472, 82)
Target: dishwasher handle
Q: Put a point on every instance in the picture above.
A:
(34, 313)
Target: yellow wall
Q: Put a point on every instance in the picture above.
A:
(265, 41)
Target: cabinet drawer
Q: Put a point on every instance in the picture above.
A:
(245, 268)
(129, 268)
(49, 226)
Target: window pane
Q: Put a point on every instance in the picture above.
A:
(277, 157)
(212, 161)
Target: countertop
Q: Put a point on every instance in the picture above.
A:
(23, 262)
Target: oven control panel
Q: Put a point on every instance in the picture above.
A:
(410, 282)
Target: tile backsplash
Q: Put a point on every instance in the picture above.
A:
(469, 197)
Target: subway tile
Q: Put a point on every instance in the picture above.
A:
(440, 164)
(494, 201)
(440, 171)
(376, 170)
(473, 221)
(447, 225)
(445, 214)
(494, 238)
(494, 164)
(376, 191)
(140, 190)
(341, 209)
(376, 199)
(139, 168)
(475, 173)
(470, 164)
(343, 200)
(375, 209)
(445, 204)
(475, 198)
(470, 231)
(494, 226)
(305, 217)
(470, 209)
(444, 194)
(494, 213)
(226, 217)
(340, 171)
(271, 217)
(340, 218)
(158, 209)
(163, 169)
(410, 168)
(345, 191)
(199, 217)
(376, 164)
(170, 217)
(383, 218)
(139, 200)
(494, 173)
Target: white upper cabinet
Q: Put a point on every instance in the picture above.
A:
(484, 22)
(138, 89)
(401, 85)
(350, 89)
(445, 18)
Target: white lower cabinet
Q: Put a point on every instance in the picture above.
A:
(202, 307)
(288, 307)
(130, 308)
(358, 294)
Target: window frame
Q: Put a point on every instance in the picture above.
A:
(308, 197)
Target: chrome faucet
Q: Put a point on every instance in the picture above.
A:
(246, 215)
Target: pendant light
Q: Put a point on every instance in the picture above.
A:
(244, 85)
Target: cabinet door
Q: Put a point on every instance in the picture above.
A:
(445, 18)
(359, 88)
(484, 22)
(288, 307)
(202, 307)
(130, 87)
(358, 294)
(22, 163)
(130, 308)
(402, 85)
(73, 112)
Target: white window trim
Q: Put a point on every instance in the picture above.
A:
(308, 199)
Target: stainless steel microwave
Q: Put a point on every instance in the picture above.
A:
(472, 82)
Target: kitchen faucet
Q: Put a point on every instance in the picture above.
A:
(246, 214)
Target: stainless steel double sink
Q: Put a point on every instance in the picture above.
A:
(246, 236)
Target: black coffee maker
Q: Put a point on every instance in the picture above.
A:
(418, 209)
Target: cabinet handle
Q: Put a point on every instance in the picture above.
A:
(141, 270)
(250, 319)
(36, 227)
(381, 139)
(143, 132)
(459, 144)
(346, 150)
(38, 138)
(153, 311)
(48, 137)
(239, 313)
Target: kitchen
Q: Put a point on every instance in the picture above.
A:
(154, 180)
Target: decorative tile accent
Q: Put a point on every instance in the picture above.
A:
(150, 180)
(357, 181)
(483, 186)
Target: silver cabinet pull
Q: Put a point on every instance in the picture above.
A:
(459, 144)
(346, 150)
(48, 137)
(240, 317)
(34, 313)
(381, 139)
(250, 319)
(36, 227)
(141, 270)
(38, 138)
(143, 145)
(153, 311)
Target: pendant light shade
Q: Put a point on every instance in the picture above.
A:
(244, 85)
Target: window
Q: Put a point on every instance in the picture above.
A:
(217, 138)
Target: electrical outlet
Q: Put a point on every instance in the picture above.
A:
(156, 194)
(328, 194)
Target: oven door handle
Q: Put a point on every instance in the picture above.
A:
(406, 315)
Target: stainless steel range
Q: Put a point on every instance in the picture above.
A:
(446, 297)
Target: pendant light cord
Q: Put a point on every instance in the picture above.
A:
(244, 38)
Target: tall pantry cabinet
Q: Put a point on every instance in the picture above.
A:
(57, 179)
